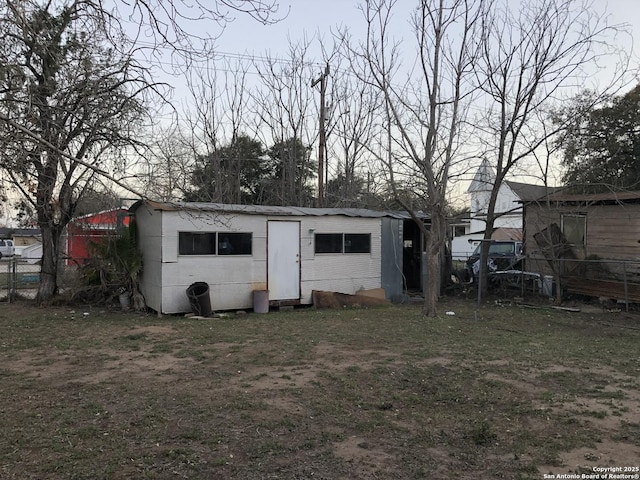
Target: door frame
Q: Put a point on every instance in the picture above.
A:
(298, 261)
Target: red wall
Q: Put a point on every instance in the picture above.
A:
(82, 232)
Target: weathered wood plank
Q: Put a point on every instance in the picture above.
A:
(603, 288)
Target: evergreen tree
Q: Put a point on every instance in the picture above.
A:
(602, 144)
(292, 172)
(233, 173)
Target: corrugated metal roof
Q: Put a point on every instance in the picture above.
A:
(101, 212)
(270, 210)
(22, 232)
(615, 197)
(504, 233)
(590, 198)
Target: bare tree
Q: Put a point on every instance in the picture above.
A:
(422, 115)
(75, 89)
(69, 107)
(282, 106)
(165, 175)
(354, 109)
(220, 98)
(531, 59)
(187, 30)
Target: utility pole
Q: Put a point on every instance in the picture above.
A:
(322, 136)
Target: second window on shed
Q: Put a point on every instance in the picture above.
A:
(234, 243)
(342, 243)
(357, 243)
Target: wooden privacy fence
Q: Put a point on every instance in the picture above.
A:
(611, 279)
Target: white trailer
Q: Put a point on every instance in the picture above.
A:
(240, 249)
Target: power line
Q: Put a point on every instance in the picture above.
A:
(200, 58)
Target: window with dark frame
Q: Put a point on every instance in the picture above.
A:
(459, 230)
(342, 243)
(328, 243)
(214, 243)
(196, 243)
(234, 243)
(574, 228)
(357, 243)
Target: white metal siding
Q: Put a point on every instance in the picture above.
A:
(232, 279)
(149, 229)
(343, 273)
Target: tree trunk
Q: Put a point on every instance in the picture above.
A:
(483, 274)
(49, 269)
(557, 298)
(434, 248)
(433, 285)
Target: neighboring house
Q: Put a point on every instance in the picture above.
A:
(508, 224)
(563, 229)
(289, 251)
(32, 253)
(22, 237)
(83, 232)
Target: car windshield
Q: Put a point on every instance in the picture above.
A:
(501, 249)
(507, 248)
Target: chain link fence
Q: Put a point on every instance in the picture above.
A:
(18, 279)
(606, 279)
(600, 278)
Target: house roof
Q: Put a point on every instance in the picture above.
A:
(461, 219)
(528, 192)
(99, 213)
(19, 232)
(597, 198)
(484, 178)
(270, 210)
(504, 233)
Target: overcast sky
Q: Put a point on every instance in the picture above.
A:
(320, 17)
(317, 18)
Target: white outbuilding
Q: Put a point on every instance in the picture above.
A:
(285, 251)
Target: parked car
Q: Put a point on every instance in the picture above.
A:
(6, 248)
(504, 255)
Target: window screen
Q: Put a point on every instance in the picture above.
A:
(574, 228)
(234, 243)
(196, 243)
(328, 243)
(357, 243)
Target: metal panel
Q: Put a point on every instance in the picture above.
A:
(199, 209)
(392, 258)
(149, 229)
(283, 259)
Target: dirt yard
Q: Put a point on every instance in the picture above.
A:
(497, 392)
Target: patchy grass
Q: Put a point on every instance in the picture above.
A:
(495, 392)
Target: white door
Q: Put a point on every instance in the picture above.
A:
(283, 268)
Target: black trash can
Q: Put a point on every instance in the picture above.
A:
(198, 294)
